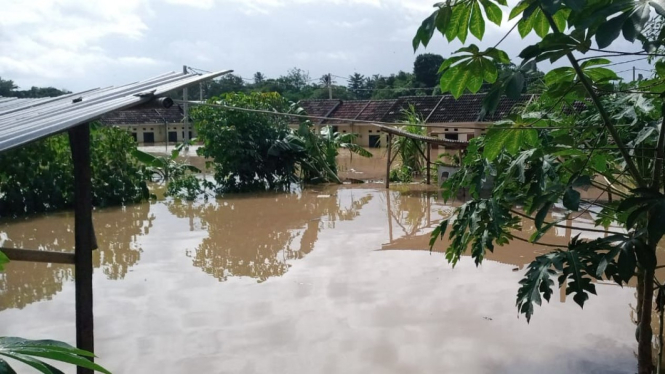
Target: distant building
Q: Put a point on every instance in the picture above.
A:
(445, 116)
(149, 126)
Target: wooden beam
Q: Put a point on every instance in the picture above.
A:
(427, 162)
(79, 142)
(17, 254)
(388, 160)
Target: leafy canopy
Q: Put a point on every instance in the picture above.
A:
(586, 129)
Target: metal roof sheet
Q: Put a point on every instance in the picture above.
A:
(25, 120)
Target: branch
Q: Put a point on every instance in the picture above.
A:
(660, 153)
(537, 243)
(505, 36)
(601, 109)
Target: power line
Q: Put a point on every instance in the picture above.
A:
(626, 62)
(305, 116)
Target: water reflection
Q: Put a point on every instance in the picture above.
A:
(117, 230)
(257, 235)
(413, 215)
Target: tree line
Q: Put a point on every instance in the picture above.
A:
(297, 84)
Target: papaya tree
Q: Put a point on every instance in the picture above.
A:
(586, 129)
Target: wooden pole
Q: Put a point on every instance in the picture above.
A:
(185, 108)
(390, 216)
(427, 162)
(389, 145)
(79, 141)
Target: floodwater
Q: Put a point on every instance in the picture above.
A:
(327, 280)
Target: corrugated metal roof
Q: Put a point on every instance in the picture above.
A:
(25, 120)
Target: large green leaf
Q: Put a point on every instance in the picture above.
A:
(540, 23)
(3, 260)
(476, 78)
(525, 25)
(571, 199)
(493, 12)
(610, 30)
(25, 350)
(425, 31)
(463, 25)
(560, 18)
(515, 85)
(458, 83)
(537, 280)
(477, 22)
(490, 72)
(519, 8)
(510, 140)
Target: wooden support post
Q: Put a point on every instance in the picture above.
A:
(388, 160)
(427, 162)
(390, 217)
(79, 141)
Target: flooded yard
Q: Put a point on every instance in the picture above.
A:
(326, 280)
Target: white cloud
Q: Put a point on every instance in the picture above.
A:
(46, 40)
(204, 4)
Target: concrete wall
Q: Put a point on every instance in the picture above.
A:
(159, 134)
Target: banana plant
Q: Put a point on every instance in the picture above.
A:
(30, 352)
(165, 168)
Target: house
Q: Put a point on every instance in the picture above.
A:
(444, 116)
(149, 126)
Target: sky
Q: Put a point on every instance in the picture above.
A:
(83, 44)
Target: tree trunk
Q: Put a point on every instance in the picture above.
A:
(644, 353)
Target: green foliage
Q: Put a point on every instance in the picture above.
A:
(256, 151)
(426, 69)
(39, 177)
(3, 260)
(543, 156)
(239, 142)
(410, 151)
(176, 174)
(30, 353)
(403, 174)
(9, 89)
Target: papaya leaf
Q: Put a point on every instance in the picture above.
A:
(477, 21)
(463, 25)
(540, 23)
(493, 12)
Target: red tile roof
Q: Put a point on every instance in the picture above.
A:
(434, 109)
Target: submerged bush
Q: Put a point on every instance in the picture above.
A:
(258, 151)
(39, 177)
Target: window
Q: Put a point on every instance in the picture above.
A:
(456, 129)
(370, 131)
(445, 129)
(452, 136)
(151, 129)
(344, 131)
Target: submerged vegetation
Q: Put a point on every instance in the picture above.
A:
(410, 152)
(39, 177)
(258, 151)
(543, 156)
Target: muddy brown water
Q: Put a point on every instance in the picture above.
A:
(327, 280)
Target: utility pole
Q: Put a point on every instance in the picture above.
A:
(201, 91)
(329, 86)
(633, 73)
(185, 109)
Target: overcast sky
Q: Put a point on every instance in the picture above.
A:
(82, 44)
